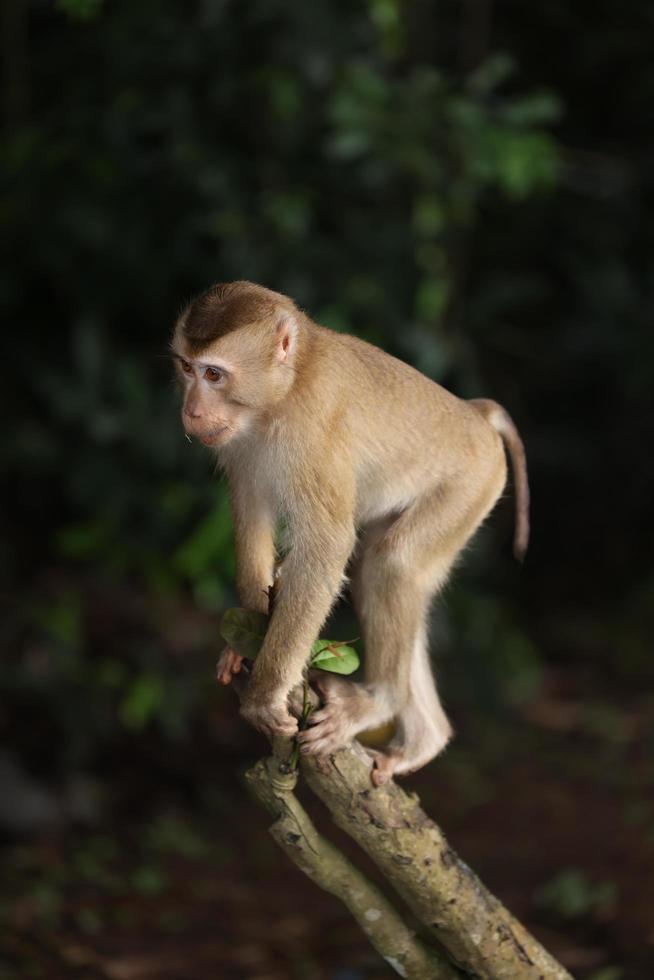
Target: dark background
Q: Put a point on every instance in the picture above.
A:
(467, 184)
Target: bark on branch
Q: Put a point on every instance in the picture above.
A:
(478, 932)
(480, 937)
(324, 864)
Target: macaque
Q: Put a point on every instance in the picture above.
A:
(381, 477)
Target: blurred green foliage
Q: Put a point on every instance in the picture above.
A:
(307, 150)
(465, 184)
(571, 894)
(195, 159)
(356, 157)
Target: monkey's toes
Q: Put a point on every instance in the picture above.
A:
(280, 725)
(321, 746)
(383, 767)
(331, 688)
(321, 738)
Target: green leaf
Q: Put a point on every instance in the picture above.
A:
(335, 657)
(243, 630)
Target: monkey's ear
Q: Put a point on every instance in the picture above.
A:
(285, 338)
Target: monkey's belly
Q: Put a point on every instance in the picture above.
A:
(378, 497)
(375, 738)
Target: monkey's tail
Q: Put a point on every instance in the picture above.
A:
(501, 421)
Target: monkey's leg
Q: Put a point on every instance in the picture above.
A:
(396, 589)
(402, 564)
(422, 728)
(348, 708)
(422, 546)
(391, 606)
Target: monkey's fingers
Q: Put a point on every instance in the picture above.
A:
(276, 728)
(230, 663)
(270, 719)
(223, 673)
(288, 730)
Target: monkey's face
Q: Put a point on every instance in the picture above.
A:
(233, 382)
(211, 411)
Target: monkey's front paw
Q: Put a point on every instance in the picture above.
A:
(271, 719)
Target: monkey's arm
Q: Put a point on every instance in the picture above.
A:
(255, 559)
(323, 536)
(255, 548)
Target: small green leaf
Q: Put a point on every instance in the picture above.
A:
(335, 657)
(243, 630)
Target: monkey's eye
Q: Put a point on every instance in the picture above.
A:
(185, 366)
(214, 375)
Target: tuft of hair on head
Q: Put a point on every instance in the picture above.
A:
(225, 307)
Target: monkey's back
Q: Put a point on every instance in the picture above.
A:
(410, 432)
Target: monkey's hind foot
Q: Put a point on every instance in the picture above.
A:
(399, 759)
(329, 729)
(347, 709)
(394, 762)
(384, 765)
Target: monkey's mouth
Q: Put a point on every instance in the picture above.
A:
(211, 438)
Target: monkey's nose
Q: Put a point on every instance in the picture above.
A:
(193, 413)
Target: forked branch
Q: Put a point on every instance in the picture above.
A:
(321, 861)
(480, 938)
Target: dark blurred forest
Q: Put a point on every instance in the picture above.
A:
(468, 185)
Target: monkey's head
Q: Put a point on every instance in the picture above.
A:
(234, 347)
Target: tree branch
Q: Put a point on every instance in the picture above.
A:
(324, 864)
(478, 932)
(482, 939)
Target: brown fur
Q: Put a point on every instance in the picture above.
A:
(223, 308)
(371, 465)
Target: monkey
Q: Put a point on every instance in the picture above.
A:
(381, 477)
